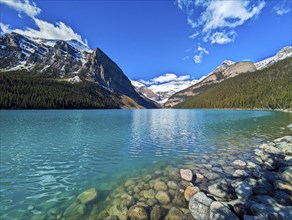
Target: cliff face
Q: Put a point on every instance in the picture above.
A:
(66, 59)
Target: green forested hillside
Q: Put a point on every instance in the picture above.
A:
(21, 90)
(270, 88)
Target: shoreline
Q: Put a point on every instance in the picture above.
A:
(252, 183)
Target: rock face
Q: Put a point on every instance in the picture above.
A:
(87, 196)
(66, 59)
(199, 206)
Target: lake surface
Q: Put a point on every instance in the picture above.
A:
(50, 156)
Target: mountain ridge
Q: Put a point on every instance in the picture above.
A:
(66, 60)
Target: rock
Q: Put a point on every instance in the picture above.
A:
(127, 200)
(199, 177)
(217, 169)
(152, 202)
(171, 184)
(129, 183)
(179, 198)
(270, 149)
(174, 214)
(120, 211)
(240, 173)
(157, 213)
(287, 175)
(138, 213)
(252, 217)
(186, 174)
(72, 210)
(220, 211)
(146, 178)
(282, 198)
(160, 186)
(243, 190)
(173, 173)
(148, 194)
(87, 196)
(223, 190)
(239, 163)
(211, 176)
(190, 191)
(199, 206)
(112, 217)
(162, 197)
(262, 187)
(285, 147)
(284, 186)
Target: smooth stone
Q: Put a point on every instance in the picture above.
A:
(71, 209)
(171, 184)
(186, 174)
(156, 213)
(217, 169)
(284, 186)
(87, 196)
(282, 198)
(199, 177)
(138, 213)
(120, 211)
(270, 149)
(162, 197)
(149, 194)
(174, 214)
(239, 163)
(127, 200)
(222, 190)
(190, 191)
(129, 183)
(262, 187)
(199, 206)
(220, 211)
(240, 173)
(179, 198)
(160, 186)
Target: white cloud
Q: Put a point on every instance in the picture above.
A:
(218, 19)
(58, 31)
(222, 37)
(165, 78)
(283, 7)
(200, 52)
(186, 58)
(194, 35)
(23, 6)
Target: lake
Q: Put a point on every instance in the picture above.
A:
(50, 156)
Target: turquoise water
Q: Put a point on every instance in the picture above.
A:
(50, 156)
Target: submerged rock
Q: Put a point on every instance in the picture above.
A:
(239, 163)
(220, 211)
(87, 196)
(138, 213)
(223, 190)
(199, 206)
(160, 186)
(171, 184)
(162, 197)
(157, 213)
(120, 211)
(174, 214)
(186, 174)
(190, 191)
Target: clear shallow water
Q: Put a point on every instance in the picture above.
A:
(47, 157)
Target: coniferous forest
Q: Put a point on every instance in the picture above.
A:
(270, 88)
(22, 90)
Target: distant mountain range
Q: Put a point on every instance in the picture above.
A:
(69, 61)
(171, 95)
(68, 74)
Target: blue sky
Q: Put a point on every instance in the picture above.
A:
(150, 38)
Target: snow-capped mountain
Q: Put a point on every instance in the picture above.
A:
(160, 92)
(65, 59)
(282, 54)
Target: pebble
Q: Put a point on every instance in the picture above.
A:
(186, 174)
(239, 163)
